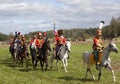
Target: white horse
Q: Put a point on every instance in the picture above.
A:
(63, 55)
(105, 60)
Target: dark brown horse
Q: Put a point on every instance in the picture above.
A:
(44, 53)
(23, 54)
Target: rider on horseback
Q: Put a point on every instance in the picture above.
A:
(40, 42)
(59, 41)
(17, 38)
(24, 44)
(97, 46)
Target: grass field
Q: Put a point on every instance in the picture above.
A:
(13, 74)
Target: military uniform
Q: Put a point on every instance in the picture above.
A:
(97, 47)
(39, 42)
(59, 41)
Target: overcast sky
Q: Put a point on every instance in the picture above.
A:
(38, 15)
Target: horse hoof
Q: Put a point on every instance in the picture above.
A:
(114, 80)
(66, 71)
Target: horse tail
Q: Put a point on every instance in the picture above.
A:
(85, 58)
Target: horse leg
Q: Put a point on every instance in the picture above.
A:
(46, 61)
(26, 58)
(41, 64)
(51, 61)
(113, 75)
(35, 63)
(66, 64)
(93, 77)
(63, 61)
(99, 74)
(13, 58)
(57, 65)
(22, 61)
(86, 73)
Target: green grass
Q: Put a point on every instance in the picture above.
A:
(13, 74)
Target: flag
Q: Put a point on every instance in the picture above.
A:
(44, 34)
(55, 31)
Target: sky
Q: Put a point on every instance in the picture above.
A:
(39, 15)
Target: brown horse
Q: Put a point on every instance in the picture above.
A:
(23, 54)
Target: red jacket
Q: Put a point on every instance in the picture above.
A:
(97, 43)
(60, 40)
(32, 41)
(39, 43)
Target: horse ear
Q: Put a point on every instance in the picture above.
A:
(111, 41)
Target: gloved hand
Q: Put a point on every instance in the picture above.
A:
(102, 48)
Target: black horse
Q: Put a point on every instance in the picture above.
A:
(44, 53)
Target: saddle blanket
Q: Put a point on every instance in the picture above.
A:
(92, 58)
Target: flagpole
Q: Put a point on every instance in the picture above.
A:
(54, 24)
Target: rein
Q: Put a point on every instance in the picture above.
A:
(106, 48)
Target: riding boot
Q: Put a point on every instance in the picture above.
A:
(96, 57)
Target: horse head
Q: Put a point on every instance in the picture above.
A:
(46, 45)
(15, 46)
(68, 45)
(112, 47)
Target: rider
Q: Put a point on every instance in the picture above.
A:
(40, 42)
(97, 46)
(23, 40)
(45, 36)
(33, 41)
(33, 44)
(59, 41)
(24, 44)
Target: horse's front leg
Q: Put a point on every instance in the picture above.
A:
(113, 75)
(66, 64)
(51, 61)
(22, 61)
(41, 64)
(26, 61)
(47, 67)
(57, 65)
(99, 74)
(35, 63)
(63, 61)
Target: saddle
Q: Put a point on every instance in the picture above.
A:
(92, 58)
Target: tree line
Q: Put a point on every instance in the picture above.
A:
(109, 31)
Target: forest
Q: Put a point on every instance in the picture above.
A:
(108, 32)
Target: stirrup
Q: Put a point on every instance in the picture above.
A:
(97, 66)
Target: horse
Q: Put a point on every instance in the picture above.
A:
(33, 53)
(23, 54)
(13, 49)
(63, 55)
(43, 55)
(105, 60)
